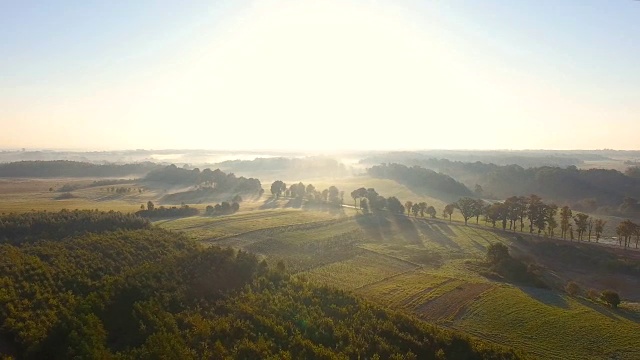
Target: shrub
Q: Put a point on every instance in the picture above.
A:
(572, 288)
(497, 252)
(610, 297)
(593, 294)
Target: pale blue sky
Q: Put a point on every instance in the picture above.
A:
(314, 75)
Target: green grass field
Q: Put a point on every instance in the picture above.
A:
(419, 266)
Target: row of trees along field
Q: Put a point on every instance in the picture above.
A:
(605, 191)
(66, 168)
(331, 195)
(149, 293)
(161, 212)
(541, 217)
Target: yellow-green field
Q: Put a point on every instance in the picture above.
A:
(419, 266)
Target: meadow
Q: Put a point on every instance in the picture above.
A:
(421, 267)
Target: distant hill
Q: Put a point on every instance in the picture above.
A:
(422, 180)
(287, 168)
(65, 168)
(601, 188)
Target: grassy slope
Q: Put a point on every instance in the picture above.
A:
(419, 266)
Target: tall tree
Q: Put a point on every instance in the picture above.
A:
(565, 217)
(466, 205)
(448, 211)
(478, 209)
(357, 194)
(423, 208)
(407, 206)
(415, 209)
(394, 205)
(550, 218)
(599, 228)
(431, 211)
(277, 188)
(581, 220)
(534, 207)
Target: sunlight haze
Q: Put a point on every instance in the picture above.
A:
(320, 75)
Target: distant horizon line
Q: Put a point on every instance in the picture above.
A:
(313, 151)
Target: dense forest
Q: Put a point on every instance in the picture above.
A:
(150, 293)
(34, 226)
(421, 180)
(64, 168)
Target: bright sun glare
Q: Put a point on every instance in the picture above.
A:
(326, 70)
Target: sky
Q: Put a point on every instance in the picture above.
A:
(326, 75)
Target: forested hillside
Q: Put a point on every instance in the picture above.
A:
(150, 293)
(421, 180)
(65, 168)
(281, 167)
(612, 191)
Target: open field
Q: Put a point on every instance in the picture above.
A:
(420, 267)
(416, 265)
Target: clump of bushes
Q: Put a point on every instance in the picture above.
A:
(501, 263)
(610, 297)
(572, 288)
(223, 208)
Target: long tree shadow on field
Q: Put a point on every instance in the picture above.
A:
(375, 226)
(545, 296)
(613, 314)
(270, 203)
(295, 203)
(434, 232)
(408, 229)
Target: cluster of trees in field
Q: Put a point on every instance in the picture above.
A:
(224, 208)
(421, 179)
(95, 183)
(162, 212)
(626, 231)
(150, 293)
(216, 179)
(501, 263)
(36, 225)
(122, 190)
(65, 168)
(331, 195)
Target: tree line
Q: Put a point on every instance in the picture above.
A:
(66, 168)
(37, 225)
(162, 212)
(207, 178)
